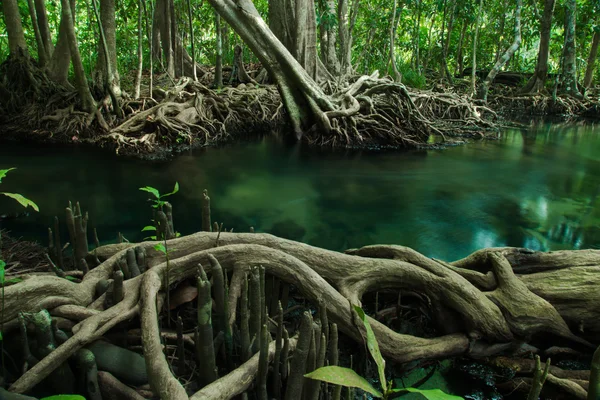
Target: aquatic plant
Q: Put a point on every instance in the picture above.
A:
(347, 377)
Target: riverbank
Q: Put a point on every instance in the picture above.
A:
(186, 114)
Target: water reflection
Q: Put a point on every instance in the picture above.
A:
(534, 188)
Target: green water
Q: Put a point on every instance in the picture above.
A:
(535, 188)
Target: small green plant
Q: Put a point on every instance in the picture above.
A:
(157, 203)
(25, 202)
(65, 397)
(347, 377)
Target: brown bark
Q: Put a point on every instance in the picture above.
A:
(569, 65)
(591, 61)
(16, 36)
(58, 68)
(42, 20)
(42, 56)
(109, 71)
(537, 82)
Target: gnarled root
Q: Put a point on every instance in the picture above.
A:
(495, 308)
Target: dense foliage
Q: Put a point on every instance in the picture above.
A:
(423, 26)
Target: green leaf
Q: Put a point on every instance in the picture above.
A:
(25, 202)
(14, 280)
(160, 247)
(3, 172)
(2, 265)
(151, 190)
(153, 237)
(149, 228)
(344, 377)
(175, 190)
(430, 394)
(65, 397)
(373, 347)
(1, 336)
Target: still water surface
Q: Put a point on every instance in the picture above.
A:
(535, 188)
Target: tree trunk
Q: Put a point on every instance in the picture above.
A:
(42, 56)
(393, 28)
(446, 42)
(417, 38)
(500, 43)
(459, 51)
(343, 36)
(278, 22)
(58, 68)
(192, 39)
(150, 29)
(109, 70)
(16, 37)
(483, 90)
(42, 20)
(163, 19)
(87, 101)
(591, 62)
(219, 53)
(475, 36)
(538, 81)
(140, 52)
(569, 71)
(331, 60)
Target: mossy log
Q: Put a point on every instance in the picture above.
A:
(500, 297)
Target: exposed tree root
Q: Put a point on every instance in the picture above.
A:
(481, 306)
(193, 114)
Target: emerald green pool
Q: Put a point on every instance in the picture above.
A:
(535, 188)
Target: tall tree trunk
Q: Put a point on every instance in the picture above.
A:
(163, 19)
(343, 35)
(417, 36)
(331, 60)
(192, 38)
(140, 52)
(42, 56)
(591, 61)
(87, 101)
(150, 34)
(278, 22)
(569, 72)
(219, 53)
(42, 20)
(459, 51)
(538, 81)
(429, 35)
(108, 72)
(474, 62)
(303, 98)
(176, 44)
(109, 68)
(446, 41)
(483, 90)
(58, 68)
(12, 20)
(393, 28)
(499, 44)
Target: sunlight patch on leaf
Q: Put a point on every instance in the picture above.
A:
(344, 377)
